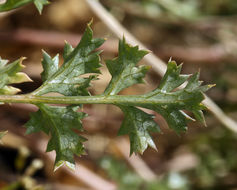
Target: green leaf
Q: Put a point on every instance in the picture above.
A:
(66, 79)
(40, 4)
(59, 122)
(13, 4)
(123, 69)
(2, 134)
(175, 102)
(10, 74)
(165, 99)
(49, 65)
(67, 50)
(172, 78)
(138, 125)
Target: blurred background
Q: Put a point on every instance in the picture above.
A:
(199, 33)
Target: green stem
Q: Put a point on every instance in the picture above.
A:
(131, 100)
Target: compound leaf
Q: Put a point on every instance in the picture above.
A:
(137, 124)
(175, 96)
(59, 122)
(165, 99)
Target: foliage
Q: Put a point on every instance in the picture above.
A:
(13, 4)
(10, 74)
(59, 122)
(216, 162)
(118, 171)
(2, 134)
(69, 80)
(189, 10)
(81, 60)
(215, 168)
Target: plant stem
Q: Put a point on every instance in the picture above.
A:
(130, 100)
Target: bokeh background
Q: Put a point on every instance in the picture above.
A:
(199, 33)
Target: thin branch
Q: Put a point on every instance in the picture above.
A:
(157, 64)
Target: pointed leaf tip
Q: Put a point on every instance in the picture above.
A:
(10, 73)
(138, 125)
(40, 4)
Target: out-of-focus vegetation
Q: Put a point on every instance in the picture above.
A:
(216, 168)
(127, 179)
(181, 9)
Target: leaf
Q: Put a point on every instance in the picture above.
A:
(59, 122)
(123, 69)
(10, 74)
(66, 79)
(165, 99)
(2, 133)
(172, 78)
(40, 4)
(67, 50)
(138, 124)
(174, 102)
(13, 4)
(49, 65)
